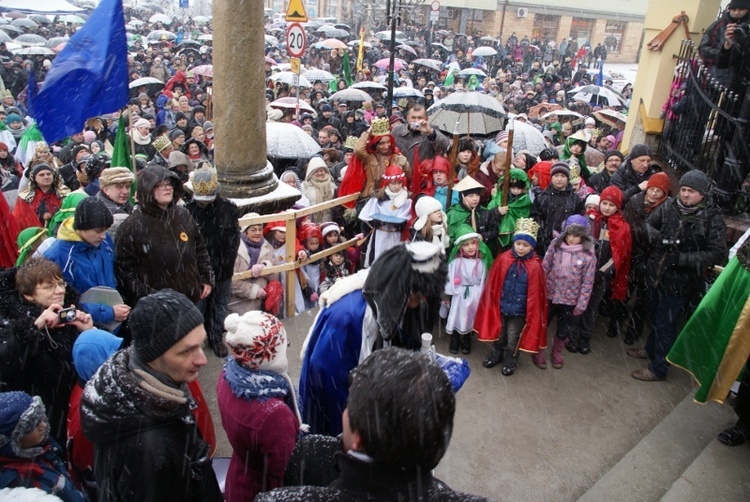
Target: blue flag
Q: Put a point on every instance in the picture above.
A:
(600, 77)
(88, 78)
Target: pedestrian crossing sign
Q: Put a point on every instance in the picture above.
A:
(296, 13)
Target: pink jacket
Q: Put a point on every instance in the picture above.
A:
(570, 285)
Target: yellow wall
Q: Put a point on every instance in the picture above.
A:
(655, 69)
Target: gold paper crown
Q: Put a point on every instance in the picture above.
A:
(350, 141)
(526, 226)
(205, 182)
(380, 127)
(575, 172)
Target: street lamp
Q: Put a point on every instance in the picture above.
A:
(395, 14)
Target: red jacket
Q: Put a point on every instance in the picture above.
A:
(489, 321)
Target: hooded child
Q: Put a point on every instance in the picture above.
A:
(469, 211)
(517, 206)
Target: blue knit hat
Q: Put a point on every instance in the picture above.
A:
(20, 414)
(13, 118)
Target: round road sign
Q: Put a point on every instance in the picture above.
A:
(296, 40)
(435, 5)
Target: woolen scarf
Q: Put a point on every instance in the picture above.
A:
(253, 249)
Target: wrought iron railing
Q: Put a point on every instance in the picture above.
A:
(700, 117)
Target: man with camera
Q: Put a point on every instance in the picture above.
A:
(688, 235)
(40, 325)
(417, 139)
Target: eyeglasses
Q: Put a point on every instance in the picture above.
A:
(53, 286)
(164, 185)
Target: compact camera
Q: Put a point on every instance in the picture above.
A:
(67, 315)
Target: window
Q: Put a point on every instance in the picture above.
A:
(613, 35)
(581, 29)
(545, 27)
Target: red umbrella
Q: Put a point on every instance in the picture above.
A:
(270, 61)
(386, 62)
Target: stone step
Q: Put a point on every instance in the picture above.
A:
(718, 473)
(649, 470)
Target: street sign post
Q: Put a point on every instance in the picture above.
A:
(296, 12)
(296, 40)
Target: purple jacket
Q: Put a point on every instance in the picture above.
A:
(572, 286)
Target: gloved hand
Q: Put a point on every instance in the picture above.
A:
(261, 294)
(257, 269)
(308, 292)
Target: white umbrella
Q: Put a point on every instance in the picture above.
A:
(290, 103)
(484, 51)
(355, 43)
(4, 37)
(407, 92)
(587, 92)
(432, 64)
(528, 137)
(72, 19)
(287, 77)
(144, 81)
(160, 18)
(369, 85)
(271, 40)
(314, 74)
(467, 72)
(386, 35)
(350, 94)
(562, 113)
(287, 141)
(467, 112)
(201, 19)
(31, 40)
(406, 48)
(35, 51)
(24, 22)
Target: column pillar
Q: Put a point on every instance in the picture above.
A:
(239, 109)
(656, 68)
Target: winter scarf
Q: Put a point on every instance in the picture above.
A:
(323, 189)
(139, 138)
(253, 249)
(124, 397)
(620, 241)
(567, 257)
(250, 384)
(398, 198)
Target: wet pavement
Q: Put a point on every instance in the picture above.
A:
(549, 434)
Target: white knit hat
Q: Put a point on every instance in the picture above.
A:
(424, 207)
(257, 341)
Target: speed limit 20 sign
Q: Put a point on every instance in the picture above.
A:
(296, 40)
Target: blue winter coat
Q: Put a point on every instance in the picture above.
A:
(85, 266)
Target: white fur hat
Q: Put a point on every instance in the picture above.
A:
(257, 341)
(424, 207)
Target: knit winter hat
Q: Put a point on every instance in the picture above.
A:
(208, 126)
(325, 108)
(526, 230)
(257, 340)
(576, 224)
(161, 143)
(639, 150)
(392, 173)
(660, 181)
(589, 121)
(115, 175)
(613, 195)
(593, 199)
(176, 133)
(739, 4)
(205, 185)
(12, 117)
(613, 153)
(160, 320)
(142, 123)
(560, 167)
(424, 207)
(697, 180)
(92, 213)
(328, 227)
(20, 414)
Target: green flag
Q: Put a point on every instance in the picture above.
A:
(346, 69)
(333, 85)
(121, 152)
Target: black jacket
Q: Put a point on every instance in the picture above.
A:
(683, 247)
(32, 361)
(147, 448)
(550, 210)
(217, 222)
(599, 181)
(160, 248)
(364, 481)
(627, 180)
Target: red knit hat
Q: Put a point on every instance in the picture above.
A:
(392, 173)
(613, 195)
(309, 230)
(4, 147)
(440, 164)
(660, 181)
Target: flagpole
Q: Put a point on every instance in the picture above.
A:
(132, 142)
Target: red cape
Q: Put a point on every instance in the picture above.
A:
(488, 321)
(621, 242)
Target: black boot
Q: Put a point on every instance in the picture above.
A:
(466, 344)
(453, 347)
(584, 346)
(218, 346)
(494, 358)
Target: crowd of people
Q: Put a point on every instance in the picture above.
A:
(114, 280)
